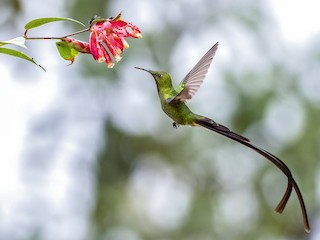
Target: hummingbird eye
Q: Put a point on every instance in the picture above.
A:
(159, 75)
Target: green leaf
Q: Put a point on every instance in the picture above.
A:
(18, 41)
(41, 21)
(18, 54)
(66, 52)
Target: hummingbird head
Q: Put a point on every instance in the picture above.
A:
(161, 78)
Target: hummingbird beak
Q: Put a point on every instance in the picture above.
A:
(149, 71)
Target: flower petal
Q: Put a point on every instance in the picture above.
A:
(114, 49)
(93, 45)
(111, 34)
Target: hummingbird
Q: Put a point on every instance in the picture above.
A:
(173, 103)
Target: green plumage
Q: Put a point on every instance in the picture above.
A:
(177, 110)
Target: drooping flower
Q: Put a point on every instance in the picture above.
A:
(107, 38)
(110, 34)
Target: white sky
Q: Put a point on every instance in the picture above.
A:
(298, 20)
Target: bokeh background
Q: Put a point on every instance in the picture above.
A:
(86, 152)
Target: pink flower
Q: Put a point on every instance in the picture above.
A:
(78, 45)
(107, 40)
(110, 34)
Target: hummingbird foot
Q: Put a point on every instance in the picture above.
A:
(175, 125)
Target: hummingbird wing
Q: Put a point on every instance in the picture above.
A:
(193, 80)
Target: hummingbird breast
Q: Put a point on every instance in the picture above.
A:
(178, 112)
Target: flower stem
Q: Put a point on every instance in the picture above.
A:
(55, 38)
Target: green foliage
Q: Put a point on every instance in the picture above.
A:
(19, 54)
(66, 52)
(41, 21)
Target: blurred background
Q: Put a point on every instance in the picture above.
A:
(87, 153)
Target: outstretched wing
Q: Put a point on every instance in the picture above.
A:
(193, 80)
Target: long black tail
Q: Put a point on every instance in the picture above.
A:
(213, 126)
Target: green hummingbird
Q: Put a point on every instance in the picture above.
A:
(173, 103)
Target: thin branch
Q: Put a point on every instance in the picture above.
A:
(54, 38)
